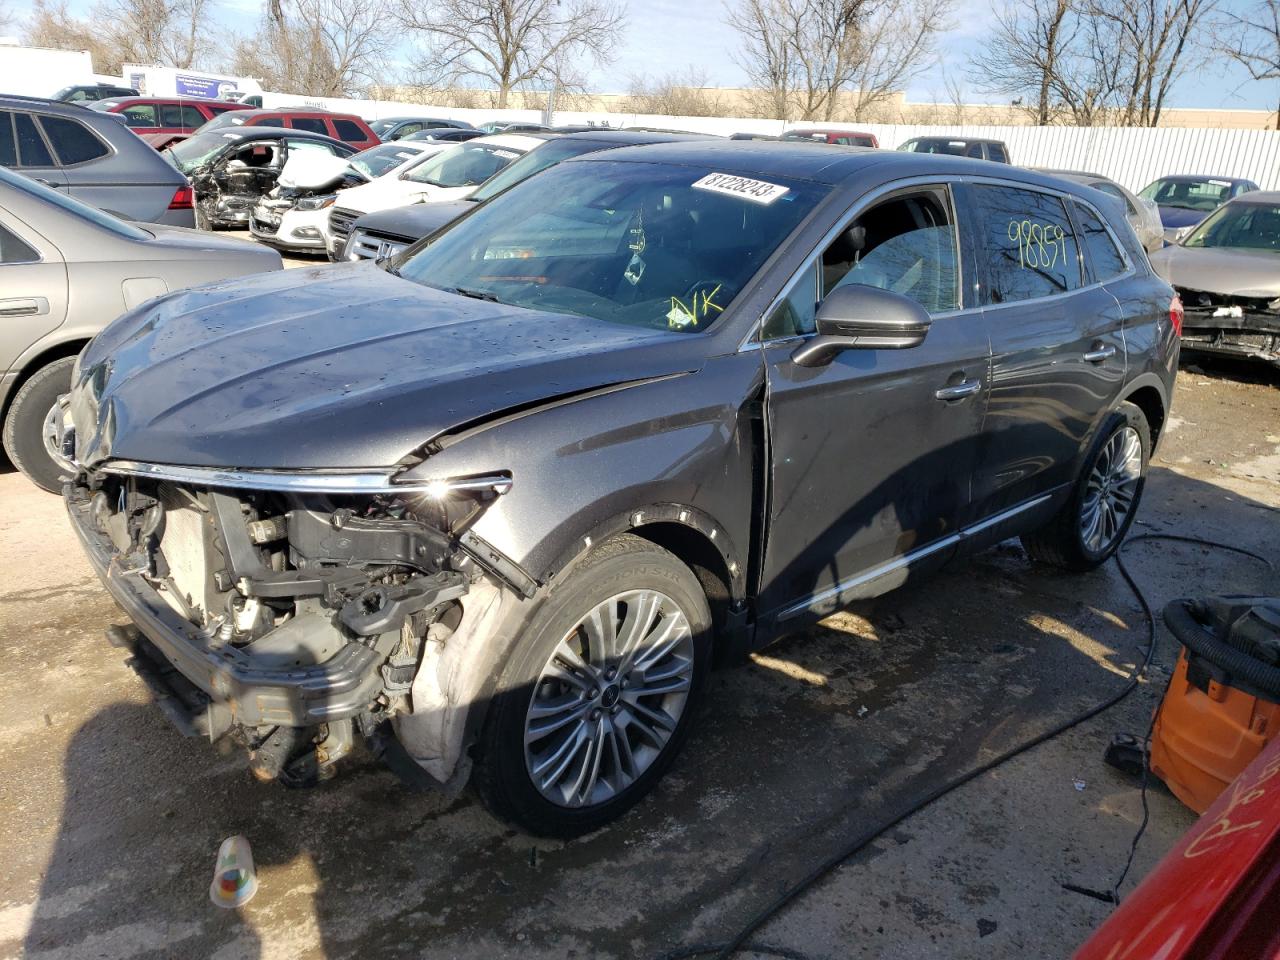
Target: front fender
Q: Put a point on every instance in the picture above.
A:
(678, 450)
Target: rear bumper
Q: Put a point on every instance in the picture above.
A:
(218, 687)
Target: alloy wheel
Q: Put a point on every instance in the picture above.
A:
(609, 699)
(1111, 490)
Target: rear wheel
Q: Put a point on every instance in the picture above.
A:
(24, 425)
(1093, 522)
(600, 694)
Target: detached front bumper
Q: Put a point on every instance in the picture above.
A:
(218, 687)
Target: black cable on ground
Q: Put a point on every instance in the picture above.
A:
(723, 951)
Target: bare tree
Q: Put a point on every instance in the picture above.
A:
(324, 48)
(805, 55)
(683, 94)
(1255, 42)
(165, 32)
(513, 44)
(1025, 53)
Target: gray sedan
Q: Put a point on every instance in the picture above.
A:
(1227, 272)
(66, 269)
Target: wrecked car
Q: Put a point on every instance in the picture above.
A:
(491, 507)
(1227, 272)
(294, 215)
(230, 169)
(1183, 201)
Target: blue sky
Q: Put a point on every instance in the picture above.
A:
(666, 36)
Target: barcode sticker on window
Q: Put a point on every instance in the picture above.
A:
(757, 191)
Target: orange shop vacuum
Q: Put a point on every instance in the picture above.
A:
(1222, 705)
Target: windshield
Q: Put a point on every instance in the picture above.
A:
(466, 165)
(198, 149)
(657, 246)
(1206, 194)
(954, 148)
(382, 126)
(544, 155)
(85, 212)
(1239, 226)
(381, 159)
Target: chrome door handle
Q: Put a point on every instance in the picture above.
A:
(1100, 354)
(958, 391)
(29, 307)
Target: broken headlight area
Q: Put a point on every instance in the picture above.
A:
(291, 622)
(1232, 325)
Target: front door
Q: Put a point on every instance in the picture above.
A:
(870, 463)
(1057, 344)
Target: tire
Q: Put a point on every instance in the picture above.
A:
(596, 753)
(24, 423)
(1070, 540)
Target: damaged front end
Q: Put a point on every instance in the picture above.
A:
(1231, 325)
(290, 612)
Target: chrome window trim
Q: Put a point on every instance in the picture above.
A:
(905, 560)
(854, 210)
(368, 482)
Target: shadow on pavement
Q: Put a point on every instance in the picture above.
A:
(794, 752)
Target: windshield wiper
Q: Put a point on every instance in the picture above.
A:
(475, 294)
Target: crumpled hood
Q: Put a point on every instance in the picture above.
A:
(337, 366)
(1214, 270)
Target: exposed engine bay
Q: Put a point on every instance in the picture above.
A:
(287, 622)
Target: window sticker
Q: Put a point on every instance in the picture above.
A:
(757, 191)
(506, 154)
(1040, 245)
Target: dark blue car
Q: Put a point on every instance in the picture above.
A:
(1186, 200)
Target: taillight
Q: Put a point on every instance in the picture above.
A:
(183, 199)
(1176, 314)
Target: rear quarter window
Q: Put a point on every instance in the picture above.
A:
(1028, 246)
(349, 131)
(997, 153)
(1102, 257)
(72, 141)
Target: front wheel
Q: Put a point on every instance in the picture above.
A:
(599, 695)
(1092, 523)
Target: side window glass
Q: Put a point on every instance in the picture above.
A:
(1028, 245)
(348, 131)
(408, 128)
(1104, 259)
(311, 124)
(72, 141)
(8, 146)
(996, 153)
(141, 115)
(794, 316)
(191, 116)
(906, 244)
(32, 151)
(15, 250)
(303, 146)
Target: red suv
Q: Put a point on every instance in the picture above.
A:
(163, 121)
(846, 138)
(346, 127)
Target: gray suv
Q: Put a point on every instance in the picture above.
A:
(93, 157)
(493, 505)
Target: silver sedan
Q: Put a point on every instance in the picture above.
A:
(66, 270)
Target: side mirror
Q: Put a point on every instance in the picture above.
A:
(858, 317)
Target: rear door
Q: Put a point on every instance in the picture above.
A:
(1057, 340)
(870, 464)
(98, 176)
(33, 288)
(24, 148)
